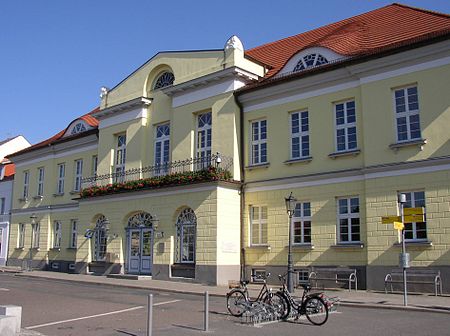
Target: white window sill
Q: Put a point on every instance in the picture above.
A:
(58, 194)
(71, 248)
(74, 192)
(345, 153)
(303, 246)
(23, 199)
(260, 247)
(418, 243)
(55, 249)
(38, 197)
(299, 160)
(19, 248)
(399, 145)
(37, 249)
(257, 166)
(353, 245)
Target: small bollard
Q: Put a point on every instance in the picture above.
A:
(206, 317)
(150, 315)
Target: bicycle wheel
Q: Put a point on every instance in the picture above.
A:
(236, 302)
(316, 310)
(281, 305)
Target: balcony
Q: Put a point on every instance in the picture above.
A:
(194, 170)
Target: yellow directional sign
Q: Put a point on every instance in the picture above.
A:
(399, 226)
(390, 219)
(413, 211)
(414, 218)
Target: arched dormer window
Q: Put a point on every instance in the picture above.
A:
(165, 79)
(79, 127)
(310, 60)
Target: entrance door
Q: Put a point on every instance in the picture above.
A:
(140, 251)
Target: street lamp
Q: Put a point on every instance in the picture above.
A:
(404, 257)
(33, 218)
(290, 207)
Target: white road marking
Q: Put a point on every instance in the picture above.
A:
(98, 315)
(4, 290)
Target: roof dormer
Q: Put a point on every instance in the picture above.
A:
(77, 126)
(310, 58)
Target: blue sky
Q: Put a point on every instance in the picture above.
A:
(56, 54)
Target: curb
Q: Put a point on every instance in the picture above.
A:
(177, 291)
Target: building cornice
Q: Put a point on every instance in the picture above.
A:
(137, 103)
(58, 149)
(229, 73)
(46, 208)
(352, 175)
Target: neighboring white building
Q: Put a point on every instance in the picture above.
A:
(7, 169)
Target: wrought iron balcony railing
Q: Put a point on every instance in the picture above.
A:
(168, 168)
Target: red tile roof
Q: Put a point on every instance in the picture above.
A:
(88, 118)
(377, 30)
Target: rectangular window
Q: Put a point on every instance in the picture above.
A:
(26, 183)
(21, 236)
(259, 142)
(162, 149)
(303, 276)
(299, 135)
(60, 182)
(73, 233)
(120, 158)
(35, 235)
(345, 116)
(40, 190)
(258, 225)
(94, 165)
(204, 139)
(78, 175)
(57, 234)
(416, 230)
(258, 275)
(2, 206)
(348, 220)
(406, 103)
(302, 223)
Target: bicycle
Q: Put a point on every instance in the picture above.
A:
(239, 301)
(312, 305)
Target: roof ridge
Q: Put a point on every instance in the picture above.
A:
(427, 11)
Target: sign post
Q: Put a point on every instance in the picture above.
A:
(407, 215)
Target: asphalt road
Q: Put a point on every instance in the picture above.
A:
(68, 309)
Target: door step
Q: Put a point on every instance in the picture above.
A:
(129, 276)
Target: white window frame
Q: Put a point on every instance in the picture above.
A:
(408, 113)
(94, 165)
(61, 177)
(41, 177)
(262, 224)
(35, 233)
(346, 127)
(21, 236)
(203, 140)
(301, 218)
(162, 140)
(348, 217)
(415, 204)
(57, 230)
(298, 133)
(73, 233)
(26, 183)
(120, 157)
(258, 142)
(78, 174)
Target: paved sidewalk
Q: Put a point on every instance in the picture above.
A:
(368, 299)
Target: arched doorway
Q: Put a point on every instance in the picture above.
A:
(140, 243)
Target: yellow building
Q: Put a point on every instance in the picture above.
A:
(182, 171)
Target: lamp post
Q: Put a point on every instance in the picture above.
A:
(33, 224)
(404, 257)
(290, 207)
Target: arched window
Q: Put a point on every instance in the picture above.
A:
(165, 79)
(309, 61)
(100, 238)
(141, 219)
(78, 128)
(186, 236)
